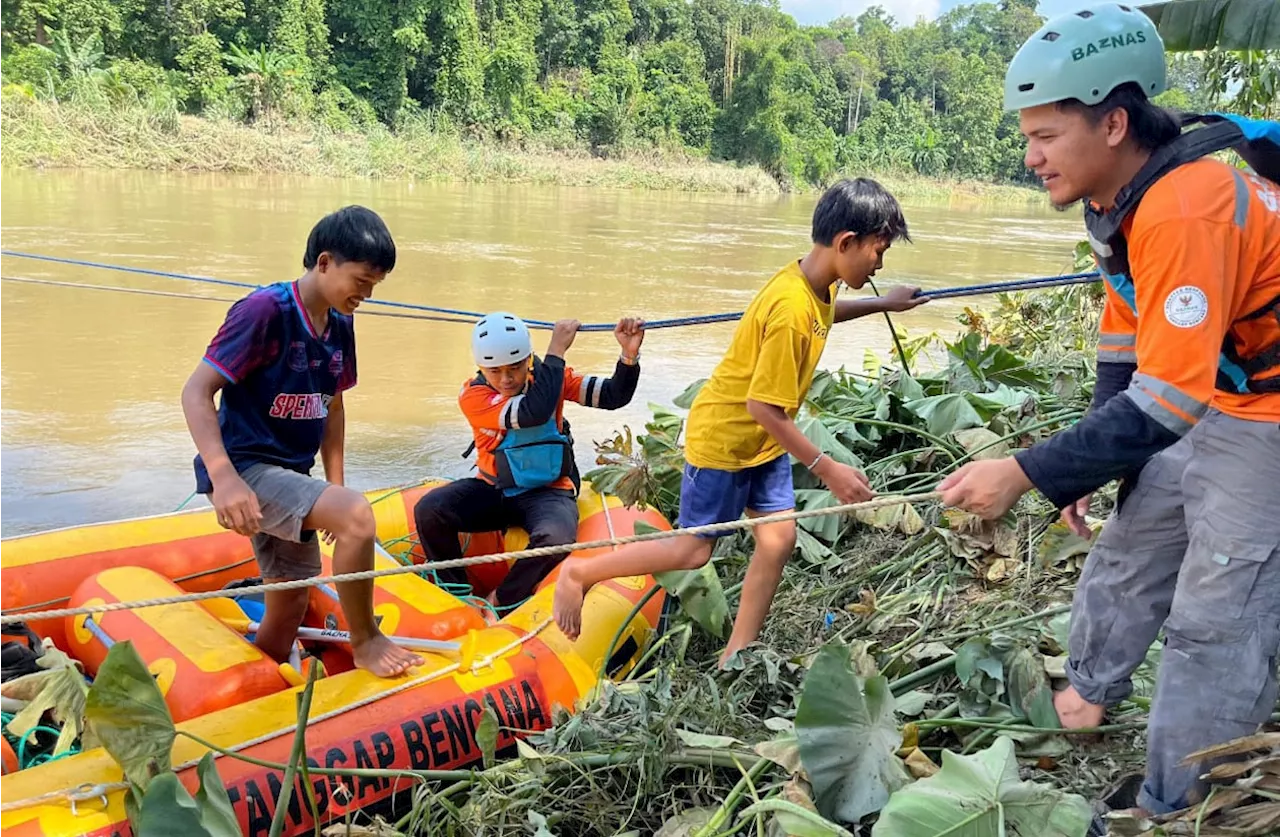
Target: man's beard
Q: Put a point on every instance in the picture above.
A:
(1063, 207)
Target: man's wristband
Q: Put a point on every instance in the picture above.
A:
(816, 460)
(629, 361)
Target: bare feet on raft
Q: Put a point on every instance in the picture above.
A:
(567, 604)
(1074, 711)
(379, 655)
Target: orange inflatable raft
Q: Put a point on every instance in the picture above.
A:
(219, 687)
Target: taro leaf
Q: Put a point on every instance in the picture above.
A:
(700, 595)
(1059, 630)
(685, 399)
(974, 656)
(59, 687)
(979, 796)
(822, 436)
(847, 431)
(1059, 543)
(699, 591)
(826, 527)
(1030, 693)
(987, 444)
(813, 550)
(539, 824)
(943, 414)
(906, 387)
(981, 675)
(911, 703)
(848, 737)
(487, 735)
(126, 712)
(1004, 398)
(216, 813)
(168, 808)
(1193, 25)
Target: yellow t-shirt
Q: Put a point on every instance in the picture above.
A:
(772, 358)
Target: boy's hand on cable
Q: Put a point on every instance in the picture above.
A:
(562, 335)
(902, 298)
(846, 482)
(630, 334)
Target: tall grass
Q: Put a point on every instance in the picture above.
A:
(151, 134)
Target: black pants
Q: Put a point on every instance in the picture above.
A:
(550, 516)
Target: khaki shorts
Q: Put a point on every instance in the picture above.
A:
(283, 548)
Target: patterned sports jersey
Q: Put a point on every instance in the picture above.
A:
(281, 375)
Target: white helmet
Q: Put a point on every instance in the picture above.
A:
(499, 339)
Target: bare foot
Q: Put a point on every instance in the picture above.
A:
(567, 604)
(379, 655)
(1074, 711)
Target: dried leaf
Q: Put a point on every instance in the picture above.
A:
(1247, 744)
(698, 739)
(920, 765)
(983, 440)
(866, 604)
(1002, 569)
(1004, 539)
(60, 690)
(784, 752)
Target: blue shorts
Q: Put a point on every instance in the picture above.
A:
(708, 495)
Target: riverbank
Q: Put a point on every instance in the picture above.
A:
(42, 134)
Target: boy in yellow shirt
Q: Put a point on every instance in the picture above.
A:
(741, 426)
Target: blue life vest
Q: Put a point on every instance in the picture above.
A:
(533, 457)
(1257, 142)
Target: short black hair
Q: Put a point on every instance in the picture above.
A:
(352, 234)
(1150, 125)
(860, 206)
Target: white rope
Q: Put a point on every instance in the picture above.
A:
(85, 792)
(8, 617)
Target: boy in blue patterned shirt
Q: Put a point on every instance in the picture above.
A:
(282, 360)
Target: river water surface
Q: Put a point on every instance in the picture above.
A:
(90, 424)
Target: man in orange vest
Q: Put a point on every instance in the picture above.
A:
(1186, 409)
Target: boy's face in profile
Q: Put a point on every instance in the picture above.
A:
(508, 380)
(348, 284)
(859, 257)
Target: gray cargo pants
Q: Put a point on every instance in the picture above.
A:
(1196, 548)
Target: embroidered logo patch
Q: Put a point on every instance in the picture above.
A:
(1186, 307)
(298, 356)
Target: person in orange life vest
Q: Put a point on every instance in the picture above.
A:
(1186, 409)
(524, 453)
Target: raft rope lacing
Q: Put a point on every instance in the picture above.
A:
(470, 317)
(8, 617)
(86, 792)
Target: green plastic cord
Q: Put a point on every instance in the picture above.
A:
(26, 760)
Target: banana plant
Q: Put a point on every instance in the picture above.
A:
(1237, 25)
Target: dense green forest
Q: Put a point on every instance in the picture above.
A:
(734, 80)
